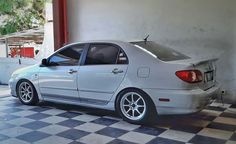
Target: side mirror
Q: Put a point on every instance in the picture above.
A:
(44, 62)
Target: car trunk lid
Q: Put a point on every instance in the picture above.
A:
(206, 66)
(208, 69)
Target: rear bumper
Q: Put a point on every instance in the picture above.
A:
(182, 101)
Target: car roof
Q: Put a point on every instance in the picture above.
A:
(98, 41)
(105, 41)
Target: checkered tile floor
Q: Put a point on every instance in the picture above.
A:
(63, 124)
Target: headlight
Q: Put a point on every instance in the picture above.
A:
(13, 76)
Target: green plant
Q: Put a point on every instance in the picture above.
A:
(21, 15)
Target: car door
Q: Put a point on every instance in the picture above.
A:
(102, 72)
(58, 80)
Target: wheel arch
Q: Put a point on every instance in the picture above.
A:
(134, 88)
(35, 97)
(22, 80)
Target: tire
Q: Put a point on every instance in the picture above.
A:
(27, 93)
(138, 110)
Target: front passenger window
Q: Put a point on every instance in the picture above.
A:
(67, 57)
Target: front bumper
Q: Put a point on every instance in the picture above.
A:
(12, 86)
(182, 101)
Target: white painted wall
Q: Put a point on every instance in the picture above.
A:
(3, 52)
(196, 27)
(47, 47)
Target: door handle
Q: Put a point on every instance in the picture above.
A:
(71, 71)
(117, 71)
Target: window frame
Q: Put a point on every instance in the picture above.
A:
(111, 44)
(66, 47)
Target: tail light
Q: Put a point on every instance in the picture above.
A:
(190, 76)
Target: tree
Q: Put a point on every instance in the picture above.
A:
(21, 15)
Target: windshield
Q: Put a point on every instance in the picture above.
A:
(161, 52)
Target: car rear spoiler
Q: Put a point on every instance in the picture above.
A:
(200, 61)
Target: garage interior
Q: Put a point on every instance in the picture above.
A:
(198, 28)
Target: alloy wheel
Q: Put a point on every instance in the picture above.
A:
(25, 92)
(133, 106)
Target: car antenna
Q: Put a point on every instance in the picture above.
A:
(146, 39)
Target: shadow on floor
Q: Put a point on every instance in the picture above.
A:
(192, 121)
(170, 121)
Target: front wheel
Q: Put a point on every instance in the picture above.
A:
(27, 93)
(134, 106)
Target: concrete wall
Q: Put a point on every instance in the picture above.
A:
(232, 58)
(199, 28)
(9, 65)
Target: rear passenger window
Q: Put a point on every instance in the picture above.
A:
(122, 58)
(161, 52)
(102, 54)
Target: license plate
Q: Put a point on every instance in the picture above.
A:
(209, 76)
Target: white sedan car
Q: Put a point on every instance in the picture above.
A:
(137, 79)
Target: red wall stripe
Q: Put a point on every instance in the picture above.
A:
(60, 23)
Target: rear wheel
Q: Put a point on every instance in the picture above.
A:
(27, 93)
(134, 106)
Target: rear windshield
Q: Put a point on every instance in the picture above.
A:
(161, 52)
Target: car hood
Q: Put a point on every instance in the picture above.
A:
(33, 68)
